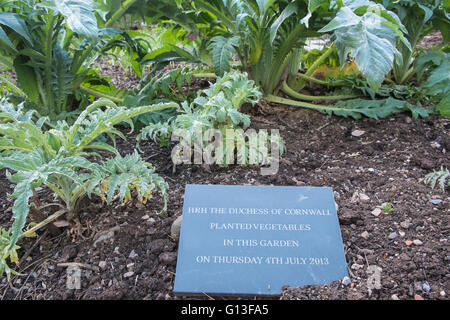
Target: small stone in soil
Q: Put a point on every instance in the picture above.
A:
(346, 281)
(392, 236)
(404, 224)
(356, 266)
(157, 246)
(436, 144)
(128, 274)
(395, 297)
(376, 212)
(175, 228)
(417, 285)
(417, 242)
(426, 287)
(358, 133)
(435, 201)
(133, 254)
(365, 235)
(102, 265)
(168, 258)
(363, 197)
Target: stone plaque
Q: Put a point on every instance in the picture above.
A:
(255, 239)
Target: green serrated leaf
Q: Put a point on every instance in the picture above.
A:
(222, 50)
(79, 15)
(372, 43)
(26, 79)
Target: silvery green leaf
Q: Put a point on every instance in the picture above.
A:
(352, 4)
(438, 83)
(13, 21)
(222, 50)
(371, 43)
(22, 193)
(286, 13)
(79, 15)
(5, 42)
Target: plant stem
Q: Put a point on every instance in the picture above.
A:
(48, 64)
(204, 75)
(41, 224)
(99, 94)
(6, 61)
(119, 13)
(295, 62)
(223, 17)
(295, 103)
(320, 61)
(272, 77)
(301, 84)
(408, 74)
(318, 81)
(12, 86)
(289, 91)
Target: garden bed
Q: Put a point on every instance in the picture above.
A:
(385, 164)
(394, 227)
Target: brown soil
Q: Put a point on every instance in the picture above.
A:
(385, 163)
(432, 40)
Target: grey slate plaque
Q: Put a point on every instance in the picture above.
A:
(255, 239)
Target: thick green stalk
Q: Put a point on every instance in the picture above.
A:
(318, 81)
(301, 84)
(407, 75)
(295, 62)
(294, 103)
(41, 224)
(48, 64)
(220, 15)
(68, 39)
(289, 102)
(402, 72)
(320, 61)
(305, 78)
(205, 75)
(55, 189)
(42, 107)
(77, 195)
(12, 86)
(99, 94)
(273, 76)
(289, 91)
(6, 61)
(119, 13)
